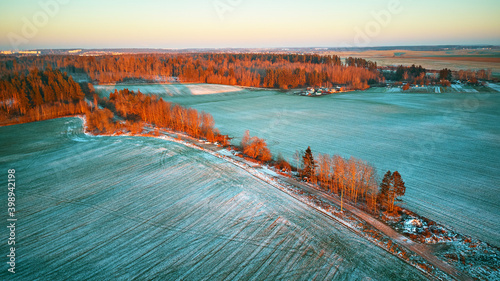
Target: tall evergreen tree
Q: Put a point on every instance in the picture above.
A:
(309, 165)
(391, 187)
(399, 185)
(385, 189)
(445, 74)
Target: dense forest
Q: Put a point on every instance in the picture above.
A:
(39, 95)
(42, 95)
(283, 71)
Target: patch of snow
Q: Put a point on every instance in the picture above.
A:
(493, 86)
(8, 102)
(269, 172)
(169, 90)
(411, 225)
(208, 89)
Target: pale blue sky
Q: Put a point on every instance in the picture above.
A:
(25, 24)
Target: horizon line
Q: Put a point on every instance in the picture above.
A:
(264, 48)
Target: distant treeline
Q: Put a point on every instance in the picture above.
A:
(418, 75)
(406, 73)
(363, 63)
(257, 70)
(473, 75)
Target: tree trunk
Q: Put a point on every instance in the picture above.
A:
(342, 200)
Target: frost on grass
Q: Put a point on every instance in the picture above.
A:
(169, 90)
(143, 208)
(478, 259)
(444, 145)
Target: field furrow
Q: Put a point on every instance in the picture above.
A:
(119, 208)
(446, 146)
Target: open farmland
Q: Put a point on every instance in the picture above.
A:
(461, 59)
(97, 208)
(454, 63)
(446, 146)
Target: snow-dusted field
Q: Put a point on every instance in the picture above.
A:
(494, 86)
(446, 146)
(168, 90)
(101, 208)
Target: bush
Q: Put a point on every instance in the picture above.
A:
(282, 165)
(255, 148)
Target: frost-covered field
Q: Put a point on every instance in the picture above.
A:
(494, 86)
(100, 208)
(446, 146)
(168, 90)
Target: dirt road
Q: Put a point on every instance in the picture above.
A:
(420, 249)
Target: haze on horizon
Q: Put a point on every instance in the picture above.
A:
(39, 24)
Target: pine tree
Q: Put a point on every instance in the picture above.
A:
(391, 188)
(399, 185)
(385, 189)
(309, 165)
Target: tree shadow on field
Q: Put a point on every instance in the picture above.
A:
(176, 89)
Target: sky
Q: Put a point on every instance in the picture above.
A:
(55, 24)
